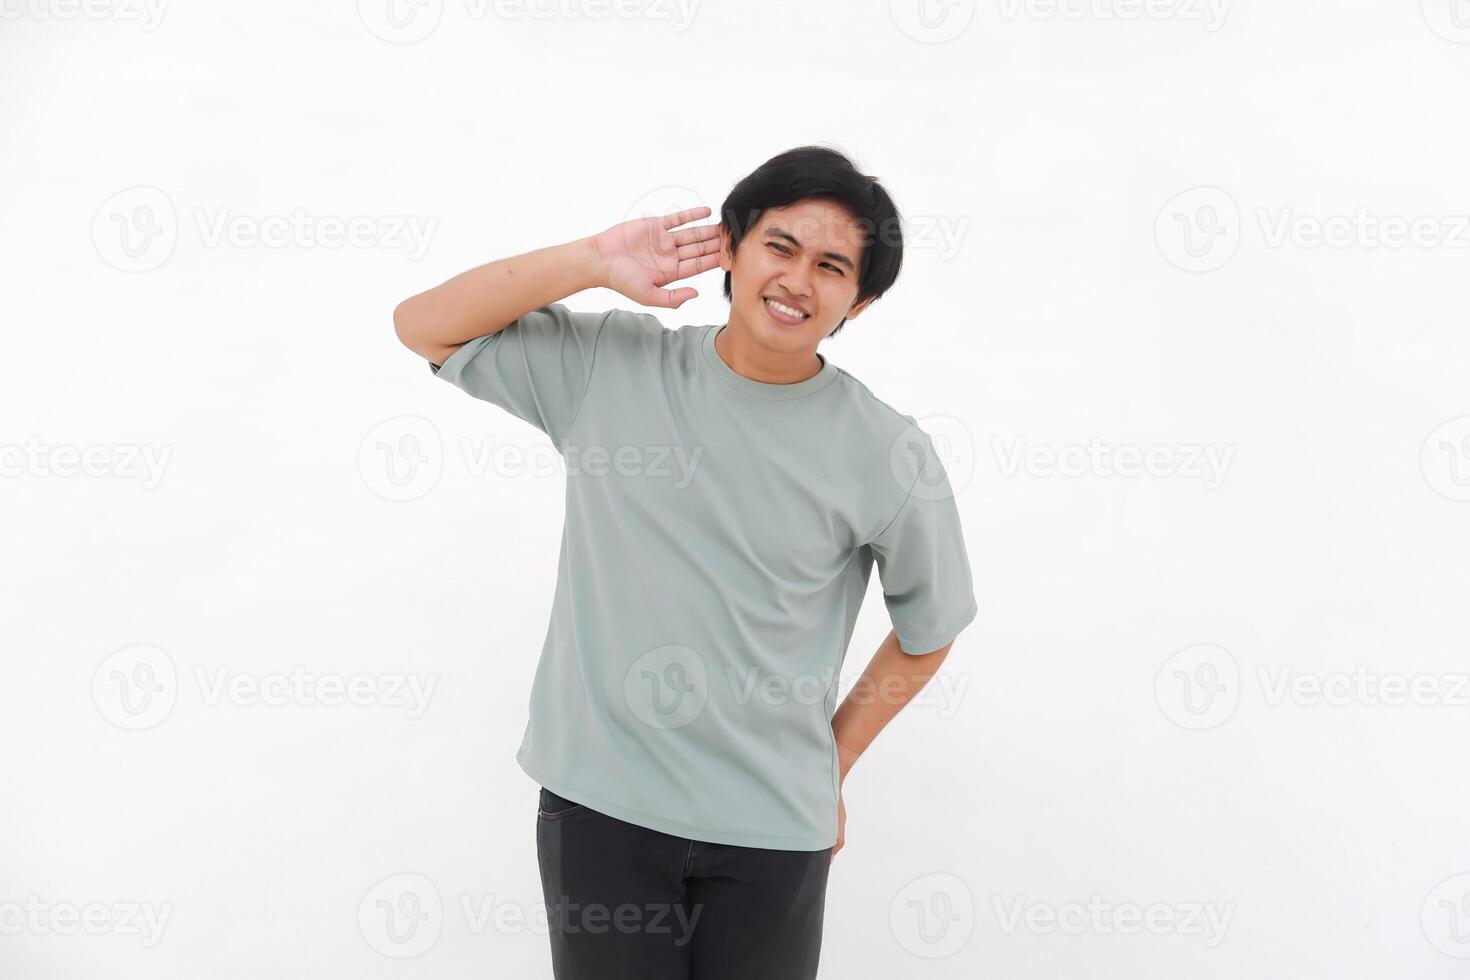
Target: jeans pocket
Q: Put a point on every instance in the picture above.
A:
(554, 807)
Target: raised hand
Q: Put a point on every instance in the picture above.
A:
(640, 257)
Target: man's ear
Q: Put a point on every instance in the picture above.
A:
(857, 308)
(727, 258)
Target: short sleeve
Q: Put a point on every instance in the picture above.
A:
(922, 562)
(538, 368)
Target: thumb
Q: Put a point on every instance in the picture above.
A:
(670, 298)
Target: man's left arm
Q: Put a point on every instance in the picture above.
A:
(889, 682)
(887, 685)
(929, 593)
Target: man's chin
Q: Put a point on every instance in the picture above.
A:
(776, 335)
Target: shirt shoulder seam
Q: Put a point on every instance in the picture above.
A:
(909, 423)
(591, 368)
(869, 392)
(901, 508)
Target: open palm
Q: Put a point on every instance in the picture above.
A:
(641, 257)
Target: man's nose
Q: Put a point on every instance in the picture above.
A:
(797, 281)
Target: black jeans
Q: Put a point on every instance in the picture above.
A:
(625, 901)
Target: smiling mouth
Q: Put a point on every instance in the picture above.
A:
(786, 313)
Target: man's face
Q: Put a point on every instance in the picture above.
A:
(805, 256)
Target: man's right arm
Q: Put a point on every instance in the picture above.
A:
(637, 258)
(489, 298)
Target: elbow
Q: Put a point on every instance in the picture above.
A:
(403, 327)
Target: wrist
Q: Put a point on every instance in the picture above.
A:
(591, 267)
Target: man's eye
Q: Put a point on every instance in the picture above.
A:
(786, 251)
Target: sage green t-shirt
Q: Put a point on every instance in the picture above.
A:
(719, 536)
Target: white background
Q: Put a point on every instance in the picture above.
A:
(1113, 727)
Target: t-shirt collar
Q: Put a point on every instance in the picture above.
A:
(761, 389)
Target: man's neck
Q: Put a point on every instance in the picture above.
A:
(757, 363)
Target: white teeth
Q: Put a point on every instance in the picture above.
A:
(785, 309)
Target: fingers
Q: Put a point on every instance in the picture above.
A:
(681, 217)
(699, 233)
(694, 266)
(702, 247)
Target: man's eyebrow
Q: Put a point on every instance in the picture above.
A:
(775, 232)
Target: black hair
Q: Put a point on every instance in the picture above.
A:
(827, 174)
